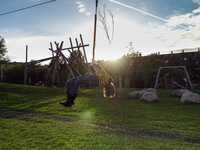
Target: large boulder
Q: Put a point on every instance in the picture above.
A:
(135, 94)
(149, 96)
(149, 90)
(138, 94)
(190, 97)
(179, 93)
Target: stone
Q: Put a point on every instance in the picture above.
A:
(190, 97)
(149, 96)
(149, 90)
(179, 93)
(135, 94)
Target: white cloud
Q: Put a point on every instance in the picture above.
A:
(196, 1)
(82, 8)
(180, 31)
(196, 11)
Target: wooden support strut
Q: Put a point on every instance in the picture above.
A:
(78, 60)
(84, 51)
(38, 61)
(70, 64)
(55, 66)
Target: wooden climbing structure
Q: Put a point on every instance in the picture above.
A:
(57, 54)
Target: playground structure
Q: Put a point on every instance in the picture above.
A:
(56, 55)
(71, 64)
(168, 81)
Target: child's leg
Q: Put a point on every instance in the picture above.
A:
(72, 89)
(75, 83)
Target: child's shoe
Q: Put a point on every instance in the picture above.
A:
(66, 104)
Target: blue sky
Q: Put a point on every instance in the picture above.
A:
(152, 26)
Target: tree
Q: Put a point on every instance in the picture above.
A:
(144, 70)
(3, 51)
(128, 58)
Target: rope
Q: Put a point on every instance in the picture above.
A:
(94, 41)
(95, 25)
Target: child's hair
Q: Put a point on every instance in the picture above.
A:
(109, 91)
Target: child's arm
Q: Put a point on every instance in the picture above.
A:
(100, 68)
(92, 68)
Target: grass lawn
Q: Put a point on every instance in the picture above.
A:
(31, 118)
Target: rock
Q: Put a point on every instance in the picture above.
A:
(135, 94)
(179, 93)
(149, 96)
(149, 90)
(190, 97)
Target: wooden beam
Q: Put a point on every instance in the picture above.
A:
(157, 77)
(38, 61)
(78, 60)
(188, 78)
(75, 47)
(54, 69)
(84, 51)
(70, 63)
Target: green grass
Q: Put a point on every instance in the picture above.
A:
(31, 118)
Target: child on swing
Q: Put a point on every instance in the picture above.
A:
(93, 80)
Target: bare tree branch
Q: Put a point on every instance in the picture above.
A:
(103, 20)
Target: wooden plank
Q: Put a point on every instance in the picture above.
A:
(70, 63)
(75, 47)
(38, 61)
(84, 51)
(157, 77)
(188, 78)
(78, 60)
(70, 40)
(54, 70)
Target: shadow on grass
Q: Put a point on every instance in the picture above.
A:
(26, 115)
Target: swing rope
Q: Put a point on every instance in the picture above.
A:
(94, 40)
(95, 25)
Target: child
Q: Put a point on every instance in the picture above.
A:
(93, 80)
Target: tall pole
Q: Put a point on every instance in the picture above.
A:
(95, 25)
(25, 72)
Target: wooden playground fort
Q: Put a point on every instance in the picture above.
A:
(57, 54)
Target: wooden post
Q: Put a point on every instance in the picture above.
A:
(55, 68)
(1, 72)
(157, 77)
(78, 60)
(84, 51)
(25, 72)
(188, 78)
(118, 86)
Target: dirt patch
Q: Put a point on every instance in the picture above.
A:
(25, 115)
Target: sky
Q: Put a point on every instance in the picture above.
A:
(151, 25)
